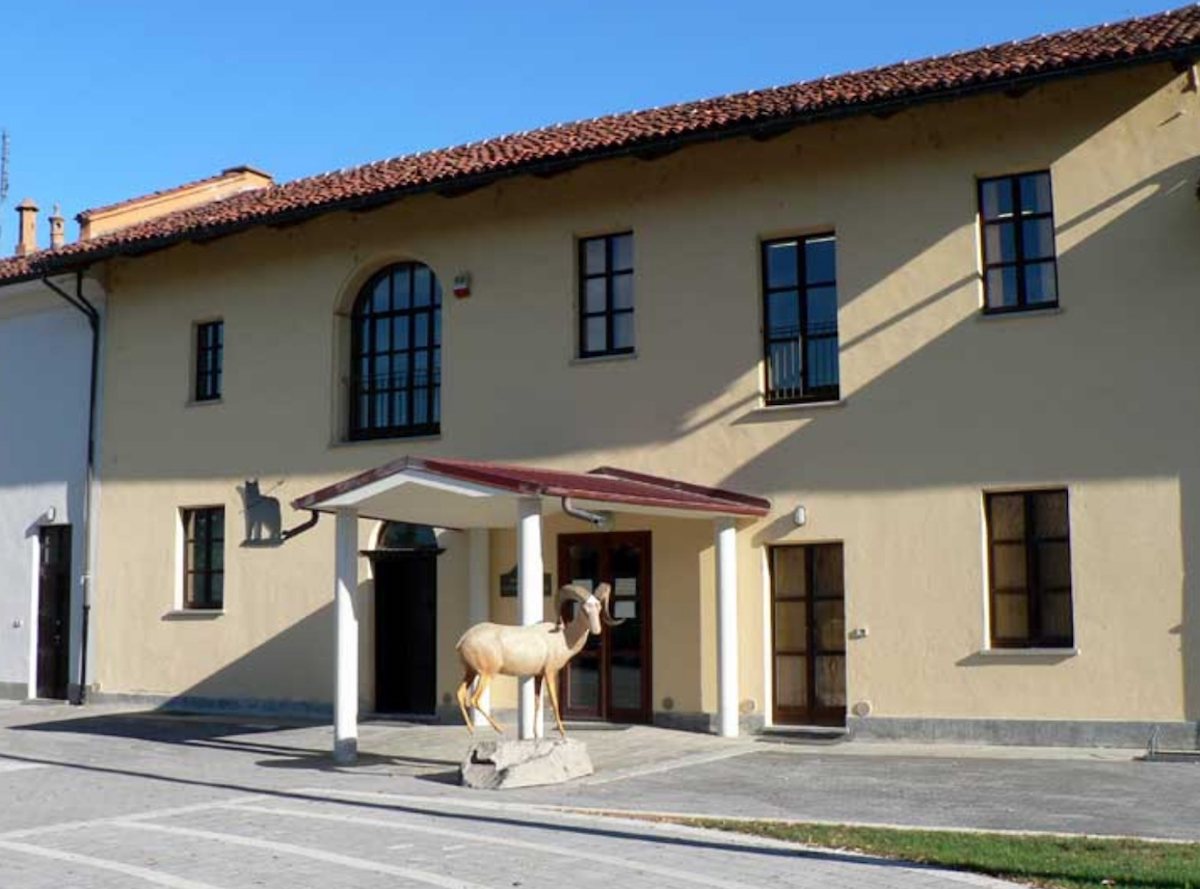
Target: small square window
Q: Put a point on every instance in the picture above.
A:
(1020, 270)
(1029, 569)
(210, 350)
(606, 295)
(204, 558)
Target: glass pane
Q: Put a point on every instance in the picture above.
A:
(403, 290)
(830, 675)
(783, 313)
(622, 253)
(820, 260)
(583, 683)
(1050, 514)
(400, 332)
(383, 334)
(789, 577)
(399, 406)
(1010, 616)
(383, 371)
(622, 290)
(437, 328)
(626, 690)
(217, 582)
(1008, 566)
(594, 260)
(379, 296)
(997, 198)
(1054, 565)
(1001, 288)
(218, 556)
(596, 338)
(420, 329)
(822, 309)
(791, 686)
(1000, 242)
(784, 369)
(420, 406)
(781, 264)
(1035, 193)
(822, 363)
(1040, 286)
(595, 298)
(830, 629)
(827, 570)
(791, 626)
(623, 330)
(1056, 617)
(1037, 237)
(217, 528)
(1007, 516)
(422, 286)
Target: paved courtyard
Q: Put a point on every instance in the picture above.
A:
(96, 797)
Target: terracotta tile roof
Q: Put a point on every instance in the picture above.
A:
(604, 484)
(1174, 34)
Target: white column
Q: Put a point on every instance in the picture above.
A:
(529, 592)
(727, 629)
(478, 588)
(345, 697)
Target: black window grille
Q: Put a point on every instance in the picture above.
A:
(606, 295)
(800, 325)
(210, 348)
(1019, 267)
(1029, 568)
(204, 557)
(396, 349)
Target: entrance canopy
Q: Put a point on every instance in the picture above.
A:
(477, 494)
(474, 496)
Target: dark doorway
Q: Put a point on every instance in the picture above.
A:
(610, 678)
(405, 632)
(809, 635)
(54, 610)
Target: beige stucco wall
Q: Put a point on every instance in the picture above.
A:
(939, 403)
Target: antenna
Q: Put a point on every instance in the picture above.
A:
(3, 172)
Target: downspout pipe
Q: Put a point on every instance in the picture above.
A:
(81, 304)
(602, 520)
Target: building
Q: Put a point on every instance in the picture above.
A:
(916, 340)
(47, 337)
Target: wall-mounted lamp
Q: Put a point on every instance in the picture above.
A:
(800, 516)
(48, 516)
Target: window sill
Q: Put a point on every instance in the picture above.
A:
(204, 403)
(1028, 652)
(1033, 312)
(603, 359)
(775, 410)
(194, 614)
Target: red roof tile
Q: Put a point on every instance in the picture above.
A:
(605, 484)
(1174, 34)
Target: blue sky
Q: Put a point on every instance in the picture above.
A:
(105, 100)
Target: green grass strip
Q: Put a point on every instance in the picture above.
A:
(1052, 861)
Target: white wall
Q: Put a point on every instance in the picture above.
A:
(44, 365)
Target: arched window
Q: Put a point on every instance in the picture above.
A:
(404, 536)
(396, 354)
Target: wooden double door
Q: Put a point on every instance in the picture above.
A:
(610, 678)
(808, 631)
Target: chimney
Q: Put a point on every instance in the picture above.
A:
(27, 240)
(58, 235)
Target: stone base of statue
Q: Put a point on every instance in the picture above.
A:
(499, 765)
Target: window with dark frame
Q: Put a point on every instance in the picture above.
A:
(800, 332)
(606, 295)
(396, 348)
(1019, 267)
(204, 558)
(1029, 569)
(210, 348)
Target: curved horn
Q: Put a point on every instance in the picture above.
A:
(565, 592)
(603, 593)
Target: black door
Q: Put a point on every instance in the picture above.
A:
(405, 633)
(54, 609)
(610, 678)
